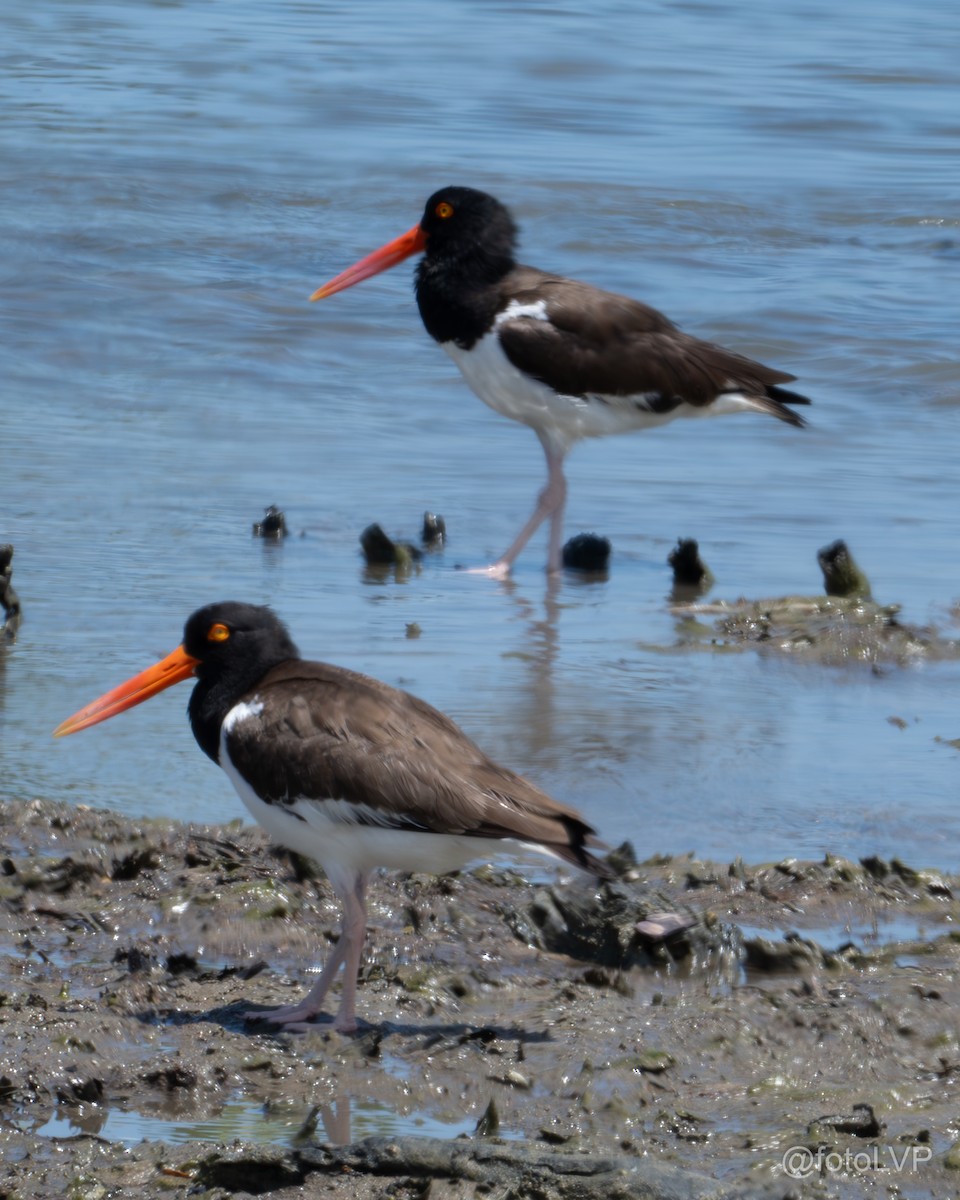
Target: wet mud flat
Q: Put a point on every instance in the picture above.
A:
(784, 1030)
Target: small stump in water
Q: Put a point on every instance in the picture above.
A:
(8, 597)
(273, 525)
(382, 551)
(841, 575)
(691, 575)
(434, 531)
(587, 552)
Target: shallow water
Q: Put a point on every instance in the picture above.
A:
(179, 178)
(251, 1121)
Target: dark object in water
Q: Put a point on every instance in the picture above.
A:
(691, 575)
(489, 1123)
(862, 1122)
(434, 533)
(273, 525)
(8, 597)
(841, 575)
(380, 550)
(688, 566)
(587, 552)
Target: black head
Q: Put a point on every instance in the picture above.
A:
(462, 222)
(466, 238)
(234, 646)
(227, 648)
(232, 638)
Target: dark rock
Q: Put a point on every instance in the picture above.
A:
(691, 576)
(60, 877)
(8, 597)
(181, 964)
(792, 954)
(489, 1123)
(173, 1077)
(602, 927)
(273, 525)
(137, 958)
(587, 552)
(381, 550)
(250, 1170)
(863, 1122)
(132, 865)
(841, 575)
(88, 1091)
(875, 866)
(434, 532)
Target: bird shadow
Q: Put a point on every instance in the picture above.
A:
(241, 1017)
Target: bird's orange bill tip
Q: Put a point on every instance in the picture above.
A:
(177, 666)
(412, 242)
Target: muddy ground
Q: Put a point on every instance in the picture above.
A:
(800, 1038)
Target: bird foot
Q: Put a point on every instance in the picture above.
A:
(311, 1026)
(287, 1015)
(299, 1018)
(497, 570)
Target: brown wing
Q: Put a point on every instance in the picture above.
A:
(596, 343)
(328, 733)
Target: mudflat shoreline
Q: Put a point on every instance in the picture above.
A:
(795, 1036)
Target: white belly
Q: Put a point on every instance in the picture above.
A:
(565, 420)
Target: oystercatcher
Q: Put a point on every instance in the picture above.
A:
(345, 769)
(567, 359)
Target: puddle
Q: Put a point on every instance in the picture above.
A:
(865, 934)
(251, 1121)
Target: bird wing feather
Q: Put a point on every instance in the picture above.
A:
(597, 343)
(345, 736)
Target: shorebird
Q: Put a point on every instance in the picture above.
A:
(346, 770)
(567, 359)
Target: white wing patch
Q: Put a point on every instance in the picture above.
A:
(240, 712)
(731, 402)
(345, 812)
(537, 309)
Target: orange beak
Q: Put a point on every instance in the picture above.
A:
(414, 241)
(175, 667)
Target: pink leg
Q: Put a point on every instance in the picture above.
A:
(550, 503)
(348, 949)
(354, 934)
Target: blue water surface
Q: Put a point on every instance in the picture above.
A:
(179, 177)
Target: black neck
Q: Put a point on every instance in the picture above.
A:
(210, 702)
(217, 691)
(459, 296)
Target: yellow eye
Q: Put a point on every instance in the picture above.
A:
(444, 210)
(218, 633)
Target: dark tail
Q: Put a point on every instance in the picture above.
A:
(779, 398)
(576, 852)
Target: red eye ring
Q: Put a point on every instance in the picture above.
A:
(444, 210)
(218, 632)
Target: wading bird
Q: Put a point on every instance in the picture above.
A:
(567, 359)
(344, 769)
